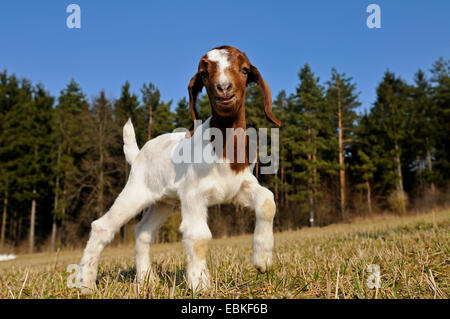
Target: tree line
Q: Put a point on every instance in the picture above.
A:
(62, 163)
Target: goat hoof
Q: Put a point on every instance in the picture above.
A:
(86, 288)
(199, 284)
(146, 279)
(262, 261)
(86, 291)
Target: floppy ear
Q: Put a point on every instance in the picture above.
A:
(255, 77)
(195, 86)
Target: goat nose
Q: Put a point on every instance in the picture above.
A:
(224, 87)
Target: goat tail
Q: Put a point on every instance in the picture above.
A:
(130, 147)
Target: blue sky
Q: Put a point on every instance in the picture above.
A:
(162, 41)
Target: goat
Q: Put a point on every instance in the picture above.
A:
(158, 183)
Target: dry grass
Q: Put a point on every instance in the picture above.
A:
(330, 262)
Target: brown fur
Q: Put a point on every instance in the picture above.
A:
(200, 248)
(232, 115)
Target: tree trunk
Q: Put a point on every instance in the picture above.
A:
(311, 208)
(63, 214)
(283, 193)
(310, 182)
(33, 208)
(398, 168)
(5, 211)
(12, 226)
(284, 189)
(100, 195)
(399, 178)
(53, 240)
(150, 121)
(315, 176)
(419, 172)
(430, 168)
(293, 179)
(32, 222)
(64, 207)
(341, 160)
(369, 197)
(53, 237)
(101, 185)
(55, 205)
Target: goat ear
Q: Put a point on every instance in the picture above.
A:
(255, 77)
(195, 87)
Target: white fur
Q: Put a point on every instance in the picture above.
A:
(156, 181)
(130, 147)
(221, 57)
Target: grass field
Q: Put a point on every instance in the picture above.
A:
(413, 253)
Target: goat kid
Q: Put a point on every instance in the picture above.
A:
(158, 183)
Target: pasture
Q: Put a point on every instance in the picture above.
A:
(413, 253)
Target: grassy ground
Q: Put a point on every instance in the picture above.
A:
(413, 254)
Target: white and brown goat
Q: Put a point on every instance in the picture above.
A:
(160, 184)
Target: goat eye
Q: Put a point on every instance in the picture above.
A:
(204, 75)
(245, 70)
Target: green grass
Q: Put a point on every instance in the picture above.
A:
(413, 253)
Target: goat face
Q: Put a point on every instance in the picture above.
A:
(225, 72)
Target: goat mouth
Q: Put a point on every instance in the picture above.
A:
(225, 100)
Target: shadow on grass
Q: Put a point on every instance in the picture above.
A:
(165, 277)
(176, 277)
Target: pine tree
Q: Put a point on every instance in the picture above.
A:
(71, 145)
(8, 85)
(254, 116)
(422, 129)
(310, 114)
(127, 107)
(164, 119)
(310, 95)
(343, 101)
(282, 111)
(104, 162)
(151, 98)
(366, 170)
(22, 152)
(203, 107)
(389, 116)
(440, 94)
(27, 124)
(365, 159)
(42, 132)
(182, 114)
